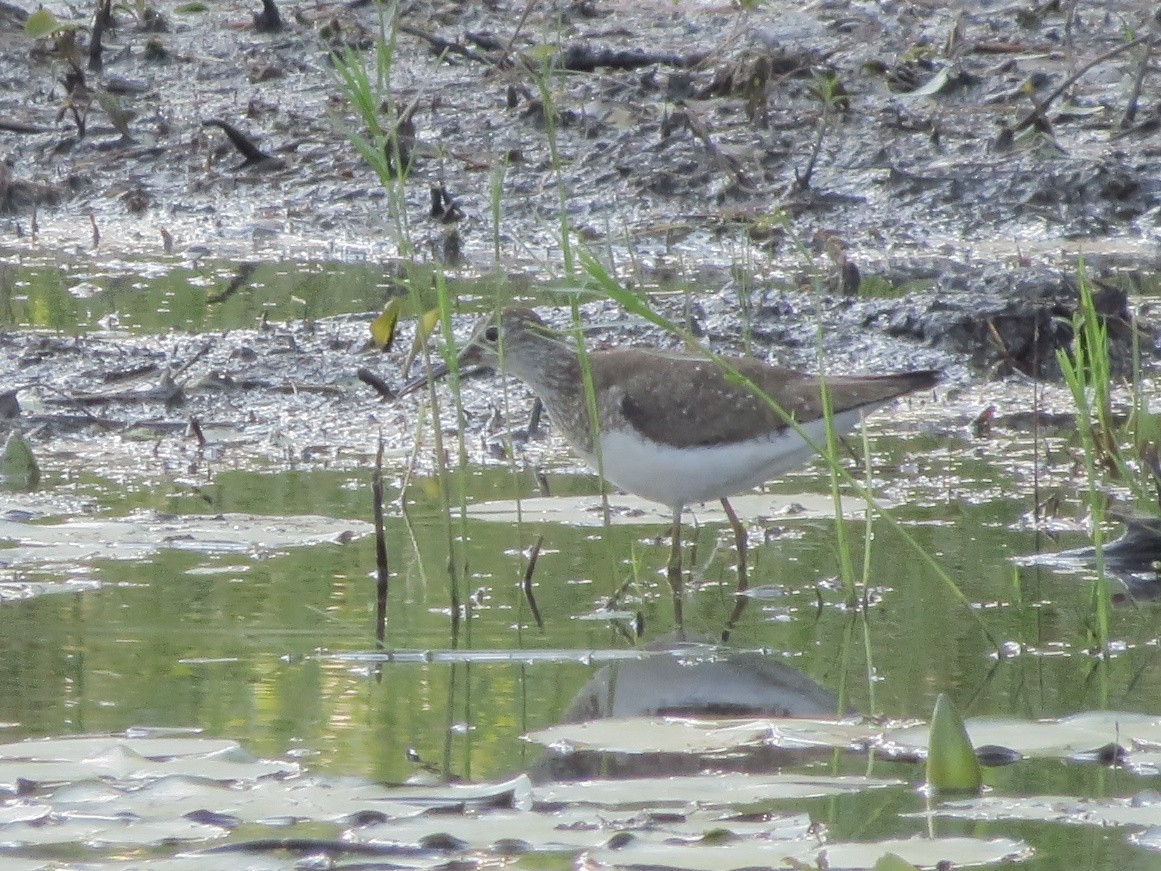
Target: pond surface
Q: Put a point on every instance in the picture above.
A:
(233, 597)
(78, 294)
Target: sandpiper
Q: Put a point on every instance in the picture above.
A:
(679, 429)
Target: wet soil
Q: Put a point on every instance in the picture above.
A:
(965, 152)
(895, 137)
(298, 394)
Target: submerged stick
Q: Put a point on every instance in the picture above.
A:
(527, 584)
(381, 570)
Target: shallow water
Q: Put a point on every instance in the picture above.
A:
(269, 640)
(77, 295)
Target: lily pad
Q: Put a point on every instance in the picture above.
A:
(628, 510)
(1055, 809)
(651, 735)
(138, 536)
(1048, 738)
(682, 735)
(581, 828)
(925, 852)
(78, 749)
(705, 790)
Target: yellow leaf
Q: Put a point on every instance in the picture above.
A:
(428, 321)
(383, 327)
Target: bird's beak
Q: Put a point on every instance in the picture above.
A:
(469, 358)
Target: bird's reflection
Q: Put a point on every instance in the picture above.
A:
(689, 679)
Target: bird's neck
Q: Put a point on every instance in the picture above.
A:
(549, 366)
(553, 370)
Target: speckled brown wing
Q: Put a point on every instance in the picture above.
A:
(686, 401)
(690, 402)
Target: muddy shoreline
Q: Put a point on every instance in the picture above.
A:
(686, 136)
(816, 163)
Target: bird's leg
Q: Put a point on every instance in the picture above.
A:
(740, 597)
(740, 541)
(673, 569)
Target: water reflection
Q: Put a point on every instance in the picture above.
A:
(689, 679)
(1130, 562)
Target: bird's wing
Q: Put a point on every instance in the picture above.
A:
(685, 401)
(689, 401)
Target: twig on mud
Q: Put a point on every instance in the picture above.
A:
(166, 392)
(1042, 106)
(255, 157)
(445, 46)
(485, 40)
(99, 421)
(114, 376)
(102, 19)
(10, 126)
(194, 428)
(830, 94)
(376, 383)
(519, 27)
(684, 118)
(201, 352)
(802, 181)
(1139, 81)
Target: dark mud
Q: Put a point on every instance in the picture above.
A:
(688, 135)
(296, 394)
(766, 151)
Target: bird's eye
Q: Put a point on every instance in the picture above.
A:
(492, 334)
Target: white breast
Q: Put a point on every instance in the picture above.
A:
(684, 476)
